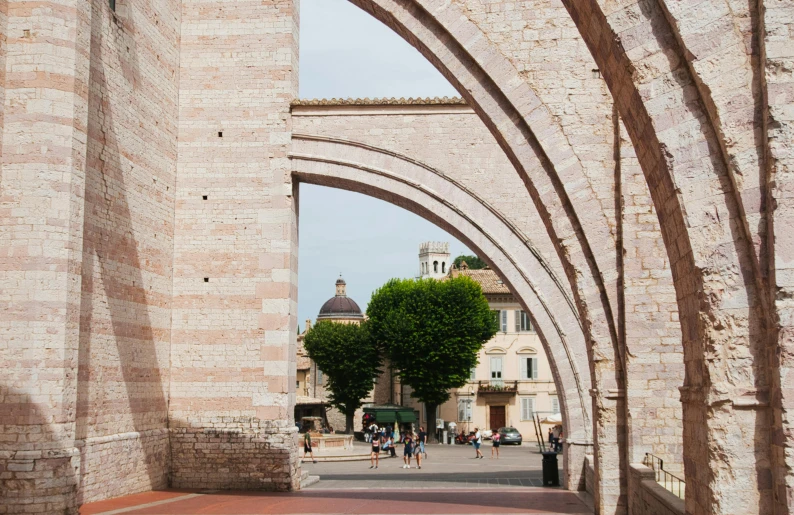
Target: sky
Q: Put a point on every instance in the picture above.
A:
(344, 52)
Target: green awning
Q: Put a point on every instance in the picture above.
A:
(405, 417)
(387, 417)
(389, 414)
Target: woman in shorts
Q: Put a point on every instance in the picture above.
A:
(375, 454)
(497, 441)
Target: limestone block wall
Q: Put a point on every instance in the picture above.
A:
(41, 219)
(653, 351)
(235, 249)
(125, 317)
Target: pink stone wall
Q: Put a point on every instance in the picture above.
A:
(233, 334)
(127, 245)
(654, 354)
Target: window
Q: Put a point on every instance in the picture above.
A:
(112, 4)
(529, 367)
(473, 374)
(504, 320)
(435, 267)
(527, 408)
(464, 410)
(443, 267)
(496, 370)
(319, 376)
(523, 322)
(555, 405)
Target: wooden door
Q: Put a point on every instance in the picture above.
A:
(497, 417)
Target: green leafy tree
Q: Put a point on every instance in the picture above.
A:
(473, 262)
(432, 332)
(350, 360)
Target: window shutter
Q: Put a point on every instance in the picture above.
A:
(524, 370)
(534, 368)
(461, 411)
(504, 320)
(518, 321)
(555, 405)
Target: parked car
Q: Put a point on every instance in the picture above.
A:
(487, 434)
(510, 435)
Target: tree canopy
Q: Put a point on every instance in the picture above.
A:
(350, 360)
(432, 332)
(473, 262)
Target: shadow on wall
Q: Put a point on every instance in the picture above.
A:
(122, 409)
(38, 472)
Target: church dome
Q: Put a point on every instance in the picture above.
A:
(340, 306)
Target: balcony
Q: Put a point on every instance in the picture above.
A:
(497, 387)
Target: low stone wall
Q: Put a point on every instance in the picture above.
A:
(648, 496)
(249, 455)
(51, 474)
(123, 464)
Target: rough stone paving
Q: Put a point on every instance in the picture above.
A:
(625, 166)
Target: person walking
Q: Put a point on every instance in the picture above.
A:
(422, 441)
(477, 442)
(497, 441)
(408, 451)
(374, 456)
(418, 453)
(307, 446)
(551, 438)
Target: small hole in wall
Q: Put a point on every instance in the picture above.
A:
(204, 197)
(206, 279)
(26, 33)
(596, 73)
(220, 134)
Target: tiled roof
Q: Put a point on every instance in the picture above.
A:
(486, 278)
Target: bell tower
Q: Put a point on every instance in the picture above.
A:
(434, 259)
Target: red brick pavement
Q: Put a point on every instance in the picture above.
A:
(447, 501)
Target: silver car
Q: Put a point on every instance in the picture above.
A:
(510, 435)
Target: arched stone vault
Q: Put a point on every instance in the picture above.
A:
(438, 197)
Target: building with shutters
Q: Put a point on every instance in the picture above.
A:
(513, 380)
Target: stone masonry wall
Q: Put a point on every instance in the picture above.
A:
(41, 219)
(235, 250)
(654, 354)
(127, 249)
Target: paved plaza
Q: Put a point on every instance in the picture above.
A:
(451, 481)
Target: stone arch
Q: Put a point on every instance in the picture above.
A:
(536, 146)
(436, 197)
(708, 242)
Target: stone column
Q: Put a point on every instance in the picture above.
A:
(41, 232)
(235, 251)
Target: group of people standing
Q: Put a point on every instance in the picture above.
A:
(383, 439)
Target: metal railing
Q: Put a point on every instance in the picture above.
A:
(669, 481)
(497, 386)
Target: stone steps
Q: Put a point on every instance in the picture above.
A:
(309, 480)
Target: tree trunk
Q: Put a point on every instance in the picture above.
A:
(349, 423)
(431, 422)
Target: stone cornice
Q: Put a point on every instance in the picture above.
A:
(434, 101)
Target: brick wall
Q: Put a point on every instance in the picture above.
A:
(233, 334)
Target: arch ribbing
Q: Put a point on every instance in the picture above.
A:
(416, 186)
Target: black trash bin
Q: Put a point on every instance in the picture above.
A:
(551, 474)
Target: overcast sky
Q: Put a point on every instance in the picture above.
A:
(347, 53)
